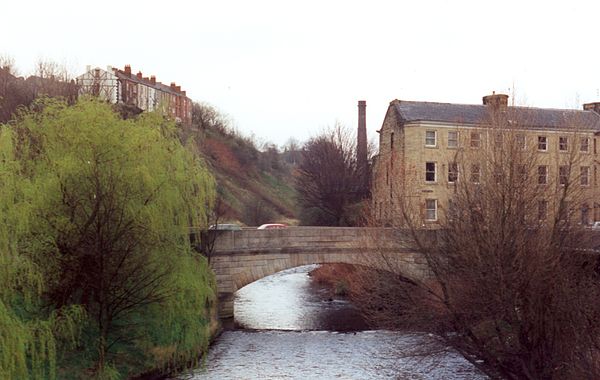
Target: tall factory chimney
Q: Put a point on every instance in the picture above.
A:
(361, 146)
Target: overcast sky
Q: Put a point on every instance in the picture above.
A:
(284, 69)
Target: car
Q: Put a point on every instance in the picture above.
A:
(596, 226)
(225, 227)
(269, 226)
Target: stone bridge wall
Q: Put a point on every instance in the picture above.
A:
(242, 257)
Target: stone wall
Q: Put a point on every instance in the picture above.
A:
(242, 257)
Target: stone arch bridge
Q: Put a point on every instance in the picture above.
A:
(241, 257)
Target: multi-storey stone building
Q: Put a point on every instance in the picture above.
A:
(122, 87)
(420, 142)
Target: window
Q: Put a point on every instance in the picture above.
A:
(452, 172)
(542, 143)
(498, 139)
(430, 209)
(542, 175)
(521, 141)
(522, 173)
(430, 138)
(475, 173)
(584, 144)
(452, 210)
(563, 144)
(584, 179)
(452, 139)
(563, 211)
(430, 172)
(475, 139)
(498, 175)
(563, 175)
(585, 214)
(387, 175)
(542, 210)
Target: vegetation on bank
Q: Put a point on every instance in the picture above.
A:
(98, 279)
(510, 285)
(254, 180)
(332, 188)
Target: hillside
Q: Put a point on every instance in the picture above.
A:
(255, 186)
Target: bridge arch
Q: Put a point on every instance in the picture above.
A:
(242, 257)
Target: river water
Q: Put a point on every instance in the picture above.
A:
(286, 327)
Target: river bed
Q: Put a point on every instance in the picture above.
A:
(286, 327)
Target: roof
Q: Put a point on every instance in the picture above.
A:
(530, 118)
(158, 85)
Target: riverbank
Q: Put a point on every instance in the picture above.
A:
(369, 289)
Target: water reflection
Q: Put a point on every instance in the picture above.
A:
(288, 300)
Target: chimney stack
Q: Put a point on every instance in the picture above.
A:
(139, 75)
(496, 100)
(128, 70)
(592, 107)
(153, 79)
(361, 147)
(173, 86)
(178, 88)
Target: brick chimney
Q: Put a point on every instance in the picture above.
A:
(128, 70)
(178, 88)
(183, 93)
(173, 86)
(139, 75)
(592, 107)
(496, 100)
(361, 147)
(153, 79)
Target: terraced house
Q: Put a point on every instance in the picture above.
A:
(427, 148)
(144, 93)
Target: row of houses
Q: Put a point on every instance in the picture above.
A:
(145, 93)
(426, 149)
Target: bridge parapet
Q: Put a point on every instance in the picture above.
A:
(304, 237)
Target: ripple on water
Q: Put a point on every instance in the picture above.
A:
(329, 355)
(286, 301)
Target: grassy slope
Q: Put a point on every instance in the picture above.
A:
(255, 188)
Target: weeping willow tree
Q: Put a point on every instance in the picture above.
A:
(103, 208)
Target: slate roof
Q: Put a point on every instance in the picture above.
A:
(158, 85)
(531, 118)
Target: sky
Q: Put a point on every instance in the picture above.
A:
(288, 69)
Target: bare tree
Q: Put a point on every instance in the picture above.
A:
(511, 281)
(328, 180)
(8, 64)
(51, 79)
(292, 151)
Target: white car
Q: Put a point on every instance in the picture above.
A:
(596, 226)
(269, 226)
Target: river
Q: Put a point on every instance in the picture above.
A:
(286, 327)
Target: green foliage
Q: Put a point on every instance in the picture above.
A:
(97, 270)
(245, 174)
